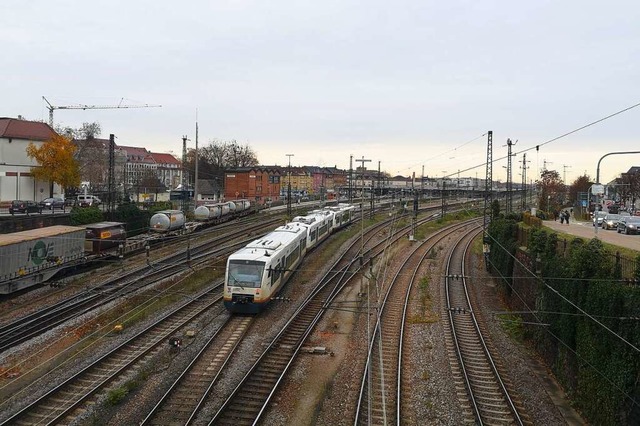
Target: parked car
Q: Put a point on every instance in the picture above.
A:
(629, 224)
(88, 200)
(21, 206)
(598, 217)
(610, 221)
(53, 203)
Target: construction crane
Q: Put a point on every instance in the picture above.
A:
(54, 107)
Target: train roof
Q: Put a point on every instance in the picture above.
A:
(271, 243)
(103, 225)
(37, 233)
(166, 212)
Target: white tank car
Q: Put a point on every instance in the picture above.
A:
(211, 211)
(166, 220)
(242, 205)
(256, 272)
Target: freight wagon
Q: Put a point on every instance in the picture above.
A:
(103, 236)
(32, 257)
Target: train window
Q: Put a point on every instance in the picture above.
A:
(291, 259)
(245, 273)
(277, 272)
(313, 235)
(303, 244)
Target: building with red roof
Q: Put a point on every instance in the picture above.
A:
(16, 180)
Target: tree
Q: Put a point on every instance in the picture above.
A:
(551, 190)
(87, 131)
(580, 185)
(218, 156)
(629, 186)
(239, 155)
(56, 161)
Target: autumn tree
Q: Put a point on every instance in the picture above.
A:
(551, 190)
(56, 161)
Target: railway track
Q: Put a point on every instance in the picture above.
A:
(380, 396)
(182, 402)
(250, 399)
(485, 394)
(61, 403)
(38, 322)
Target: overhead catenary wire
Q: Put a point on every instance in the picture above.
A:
(537, 146)
(585, 313)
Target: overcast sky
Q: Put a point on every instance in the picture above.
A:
(411, 84)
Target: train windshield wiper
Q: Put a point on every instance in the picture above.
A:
(236, 281)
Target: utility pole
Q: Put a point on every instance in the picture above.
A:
(524, 181)
(362, 161)
(111, 183)
(487, 198)
(444, 198)
(379, 189)
(289, 187)
(184, 182)
(195, 183)
(422, 183)
(350, 178)
(509, 207)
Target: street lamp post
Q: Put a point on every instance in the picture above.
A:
(599, 188)
(289, 186)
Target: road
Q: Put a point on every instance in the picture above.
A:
(587, 230)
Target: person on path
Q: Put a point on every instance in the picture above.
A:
(566, 216)
(561, 218)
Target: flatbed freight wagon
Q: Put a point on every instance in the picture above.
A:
(32, 257)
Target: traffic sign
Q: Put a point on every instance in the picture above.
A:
(597, 189)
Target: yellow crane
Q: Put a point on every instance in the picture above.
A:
(51, 107)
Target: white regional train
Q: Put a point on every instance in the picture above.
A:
(258, 271)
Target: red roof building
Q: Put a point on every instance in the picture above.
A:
(16, 181)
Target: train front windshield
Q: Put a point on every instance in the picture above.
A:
(245, 273)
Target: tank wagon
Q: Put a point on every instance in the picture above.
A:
(211, 212)
(102, 237)
(32, 257)
(220, 212)
(167, 220)
(256, 273)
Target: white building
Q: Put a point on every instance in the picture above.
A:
(16, 180)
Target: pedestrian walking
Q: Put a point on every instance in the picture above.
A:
(561, 218)
(566, 216)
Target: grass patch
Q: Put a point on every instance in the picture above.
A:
(425, 375)
(427, 316)
(116, 396)
(512, 325)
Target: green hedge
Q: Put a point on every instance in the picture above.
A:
(579, 295)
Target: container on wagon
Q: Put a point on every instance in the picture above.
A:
(32, 257)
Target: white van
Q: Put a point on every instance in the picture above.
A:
(88, 200)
